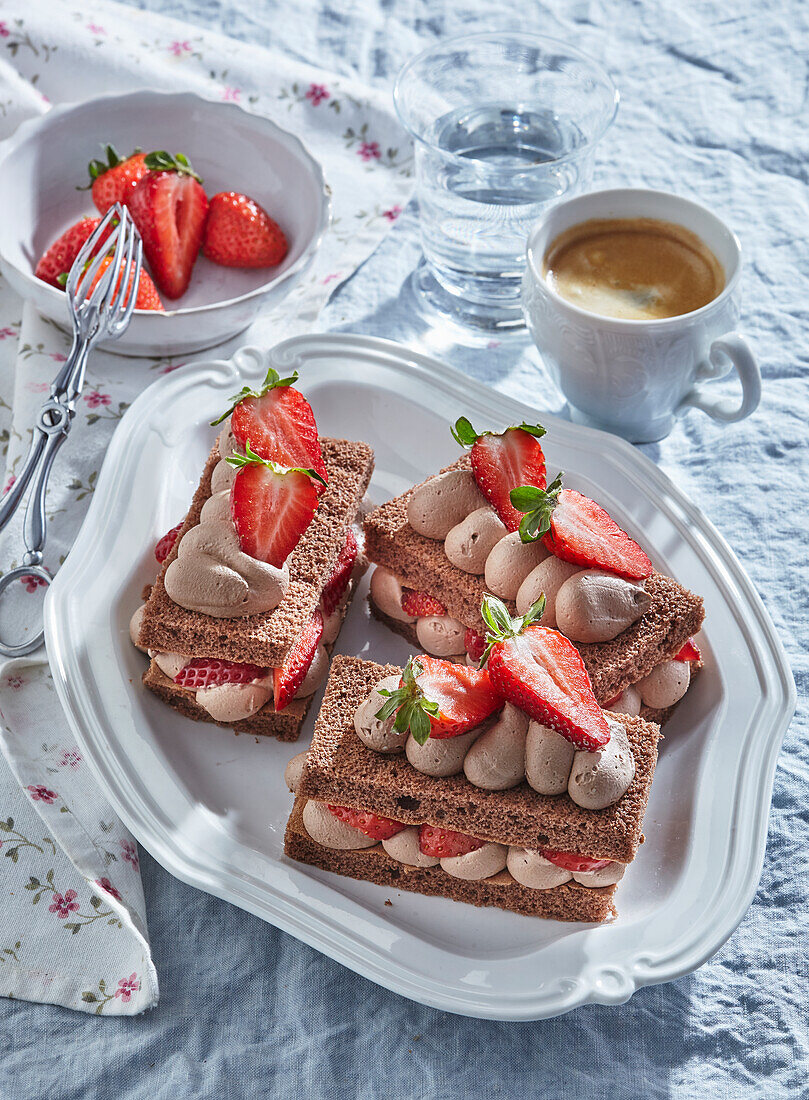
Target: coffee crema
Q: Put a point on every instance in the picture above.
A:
(633, 268)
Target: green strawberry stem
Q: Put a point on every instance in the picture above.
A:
(162, 161)
(538, 505)
(271, 382)
(410, 705)
(250, 458)
(465, 434)
(500, 623)
(97, 168)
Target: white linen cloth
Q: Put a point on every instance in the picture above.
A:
(72, 918)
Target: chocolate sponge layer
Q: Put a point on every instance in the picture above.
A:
(569, 902)
(342, 770)
(266, 639)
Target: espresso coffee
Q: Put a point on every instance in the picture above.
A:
(633, 268)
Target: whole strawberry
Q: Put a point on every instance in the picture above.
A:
(147, 296)
(56, 261)
(169, 208)
(114, 179)
(240, 233)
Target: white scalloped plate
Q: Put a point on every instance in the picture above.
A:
(212, 807)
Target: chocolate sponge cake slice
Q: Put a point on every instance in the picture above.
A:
(283, 725)
(568, 902)
(420, 563)
(342, 770)
(267, 638)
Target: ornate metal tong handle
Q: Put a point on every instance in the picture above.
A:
(99, 311)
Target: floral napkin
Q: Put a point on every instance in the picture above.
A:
(72, 915)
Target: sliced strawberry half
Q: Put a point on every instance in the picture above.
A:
(56, 262)
(169, 207)
(206, 672)
(444, 843)
(475, 644)
(440, 699)
(278, 422)
(373, 825)
(165, 545)
(271, 506)
(114, 179)
(502, 461)
(689, 652)
(337, 583)
(542, 673)
(573, 862)
(289, 677)
(420, 604)
(576, 529)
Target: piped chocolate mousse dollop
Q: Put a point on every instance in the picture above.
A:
(595, 606)
(442, 502)
(599, 779)
(377, 734)
(404, 848)
(666, 684)
(496, 761)
(484, 862)
(326, 829)
(441, 635)
(212, 574)
(509, 563)
(470, 542)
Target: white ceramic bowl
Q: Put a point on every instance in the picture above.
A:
(46, 159)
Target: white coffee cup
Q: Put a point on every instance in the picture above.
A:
(634, 377)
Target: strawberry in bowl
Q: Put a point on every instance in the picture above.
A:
(228, 149)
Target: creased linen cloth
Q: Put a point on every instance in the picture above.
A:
(72, 916)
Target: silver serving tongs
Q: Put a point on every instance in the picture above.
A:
(101, 313)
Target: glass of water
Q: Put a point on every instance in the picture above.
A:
(505, 124)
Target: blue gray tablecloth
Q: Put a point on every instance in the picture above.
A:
(714, 106)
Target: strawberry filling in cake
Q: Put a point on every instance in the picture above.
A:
(341, 828)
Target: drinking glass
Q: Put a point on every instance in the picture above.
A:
(504, 125)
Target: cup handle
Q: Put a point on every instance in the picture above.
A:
(727, 352)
